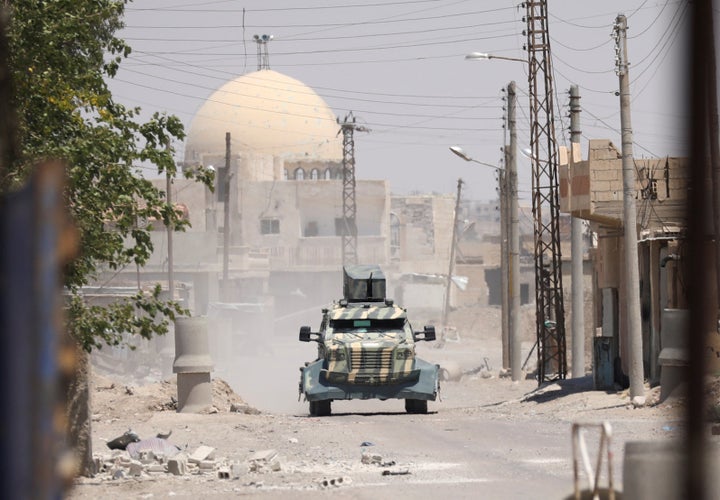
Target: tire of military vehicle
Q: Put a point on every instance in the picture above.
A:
(320, 408)
(416, 406)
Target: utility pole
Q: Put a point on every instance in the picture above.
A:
(504, 263)
(170, 229)
(550, 311)
(226, 215)
(632, 274)
(451, 264)
(514, 242)
(577, 251)
(349, 231)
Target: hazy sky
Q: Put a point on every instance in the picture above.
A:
(400, 67)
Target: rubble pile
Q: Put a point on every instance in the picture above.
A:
(158, 396)
(131, 457)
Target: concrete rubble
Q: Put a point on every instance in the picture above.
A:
(150, 457)
(264, 461)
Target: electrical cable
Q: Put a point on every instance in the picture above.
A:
(303, 89)
(281, 9)
(312, 105)
(325, 25)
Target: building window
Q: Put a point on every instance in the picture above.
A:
(345, 229)
(299, 174)
(269, 226)
(328, 174)
(311, 229)
(314, 174)
(394, 236)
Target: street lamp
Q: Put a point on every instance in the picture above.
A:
(475, 56)
(462, 154)
(510, 258)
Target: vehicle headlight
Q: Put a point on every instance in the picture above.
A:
(404, 354)
(336, 354)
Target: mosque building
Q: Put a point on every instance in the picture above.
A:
(284, 195)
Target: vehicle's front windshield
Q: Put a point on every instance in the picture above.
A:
(360, 327)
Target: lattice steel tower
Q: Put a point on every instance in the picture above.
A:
(550, 313)
(349, 229)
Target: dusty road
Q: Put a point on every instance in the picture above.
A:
(507, 450)
(487, 438)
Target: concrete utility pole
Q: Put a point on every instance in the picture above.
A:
(226, 213)
(632, 274)
(451, 265)
(504, 262)
(514, 242)
(577, 251)
(170, 229)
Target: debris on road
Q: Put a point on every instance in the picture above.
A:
(121, 442)
(201, 453)
(334, 482)
(264, 461)
(401, 472)
(370, 458)
(158, 447)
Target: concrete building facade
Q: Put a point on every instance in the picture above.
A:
(593, 190)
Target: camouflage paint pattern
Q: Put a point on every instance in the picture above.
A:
(366, 355)
(369, 312)
(367, 361)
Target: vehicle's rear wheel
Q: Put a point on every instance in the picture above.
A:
(320, 408)
(416, 406)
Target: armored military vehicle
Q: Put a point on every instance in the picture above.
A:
(366, 349)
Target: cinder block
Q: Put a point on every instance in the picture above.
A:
(135, 468)
(177, 465)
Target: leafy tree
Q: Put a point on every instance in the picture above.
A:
(62, 52)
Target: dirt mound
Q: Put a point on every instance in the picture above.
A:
(112, 397)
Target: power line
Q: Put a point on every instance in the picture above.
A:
(303, 89)
(342, 37)
(327, 96)
(325, 25)
(315, 117)
(281, 9)
(335, 51)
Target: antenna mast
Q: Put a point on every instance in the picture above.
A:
(263, 56)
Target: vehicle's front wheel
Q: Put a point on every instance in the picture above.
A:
(320, 408)
(416, 406)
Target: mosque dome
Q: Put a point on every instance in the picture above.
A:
(267, 114)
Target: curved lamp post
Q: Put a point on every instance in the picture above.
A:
(510, 239)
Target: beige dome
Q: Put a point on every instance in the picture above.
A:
(266, 113)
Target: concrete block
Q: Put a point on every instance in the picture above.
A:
(155, 468)
(177, 465)
(606, 175)
(202, 453)
(206, 465)
(224, 473)
(135, 469)
(236, 470)
(370, 458)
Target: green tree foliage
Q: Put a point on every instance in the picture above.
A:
(62, 52)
